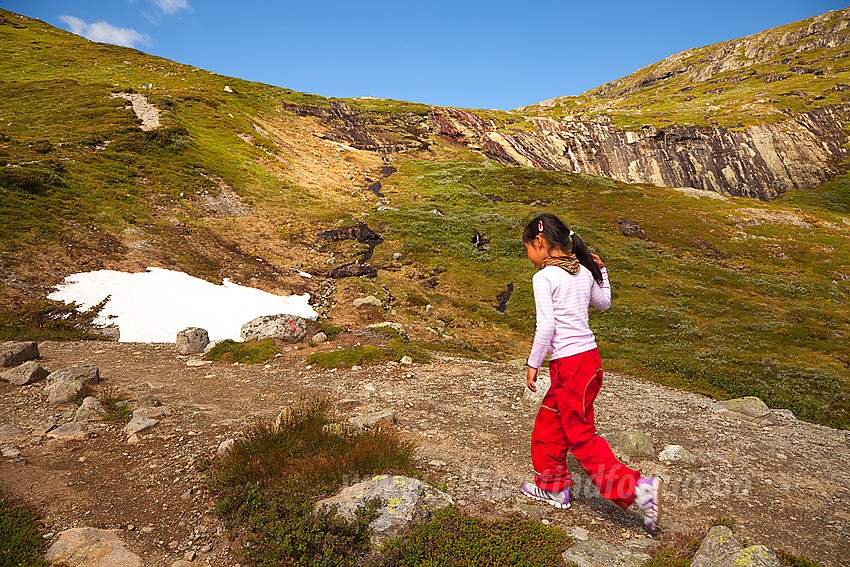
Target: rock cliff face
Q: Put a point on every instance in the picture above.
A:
(759, 161)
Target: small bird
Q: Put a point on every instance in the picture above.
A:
(480, 241)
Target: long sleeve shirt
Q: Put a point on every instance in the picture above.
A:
(562, 301)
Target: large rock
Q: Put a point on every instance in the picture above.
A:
(534, 399)
(748, 408)
(721, 549)
(597, 553)
(14, 353)
(91, 547)
(74, 431)
(27, 373)
(192, 340)
(65, 383)
(289, 328)
(631, 443)
(90, 409)
(406, 502)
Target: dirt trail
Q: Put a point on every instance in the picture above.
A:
(787, 486)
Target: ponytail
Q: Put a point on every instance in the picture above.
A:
(558, 235)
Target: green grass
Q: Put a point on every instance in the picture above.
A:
(395, 350)
(111, 403)
(248, 352)
(790, 560)
(454, 538)
(21, 544)
(267, 482)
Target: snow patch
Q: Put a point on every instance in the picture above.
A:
(153, 306)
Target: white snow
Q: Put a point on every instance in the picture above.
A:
(153, 306)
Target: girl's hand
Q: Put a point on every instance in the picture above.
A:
(531, 378)
(598, 260)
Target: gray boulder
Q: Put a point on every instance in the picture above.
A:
(288, 328)
(90, 409)
(192, 340)
(27, 373)
(65, 383)
(405, 502)
(672, 453)
(91, 547)
(748, 408)
(74, 431)
(534, 399)
(368, 300)
(721, 549)
(375, 419)
(631, 443)
(597, 553)
(14, 353)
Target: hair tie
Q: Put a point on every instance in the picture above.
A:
(540, 225)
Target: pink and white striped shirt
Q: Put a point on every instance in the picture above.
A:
(562, 301)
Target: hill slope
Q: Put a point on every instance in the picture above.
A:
(725, 296)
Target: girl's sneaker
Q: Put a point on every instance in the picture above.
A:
(648, 500)
(557, 499)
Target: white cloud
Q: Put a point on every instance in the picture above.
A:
(104, 32)
(172, 6)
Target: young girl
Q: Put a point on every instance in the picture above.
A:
(571, 278)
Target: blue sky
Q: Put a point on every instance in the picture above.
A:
(470, 54)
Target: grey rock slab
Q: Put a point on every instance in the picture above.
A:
(289, 328)
(8, 451)
(26, 373)
(91, 547)
(721, 549)
(138, 424)
(86, 373)
(631, 443)
(748, 408)
(43, 428)
(15, 353)
(405, 502)
(598, 553)
(192, 340)
(74, 431)
(676, 453)
(319, 337)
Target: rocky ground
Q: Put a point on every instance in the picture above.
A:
(785, 485)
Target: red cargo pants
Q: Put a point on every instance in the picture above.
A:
(565, 423)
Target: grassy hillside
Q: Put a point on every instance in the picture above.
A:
(727, 297)
(760, 78)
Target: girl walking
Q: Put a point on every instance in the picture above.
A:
(570, 279)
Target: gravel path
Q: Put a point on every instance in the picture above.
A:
(787, 486)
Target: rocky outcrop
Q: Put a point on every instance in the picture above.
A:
(761, 161)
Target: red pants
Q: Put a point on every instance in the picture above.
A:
(565, 423)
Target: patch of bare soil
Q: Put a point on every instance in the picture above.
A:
(785, 485)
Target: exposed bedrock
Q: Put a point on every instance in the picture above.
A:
(760, 161)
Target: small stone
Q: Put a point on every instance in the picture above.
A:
(397, 256)
(676, 453)
(10, 452)
(320, 337)
(406, 359)
(130, 527)
(190, 555)
(228, 89)
(226, 446)
(27, 373)
(134, 439)
(518, 362)
(429, 308)
(192, 340)
(368, 300)
(370, 420)
(147, 530)
(592, 552)
(437, 463)
(90, 409)
(206, 549)
(44, 428)
(138, 424)
(748, 408)
(631, 443)
(70, 432)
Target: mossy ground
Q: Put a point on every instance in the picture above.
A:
(21, 544)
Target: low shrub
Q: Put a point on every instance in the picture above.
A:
(46, 320)
(395, 350)
(249, 352)
(21, 543)
(454, 538)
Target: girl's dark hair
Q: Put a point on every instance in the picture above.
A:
(557, 235)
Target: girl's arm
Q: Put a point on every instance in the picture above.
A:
(545, 320)
(600, 294)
